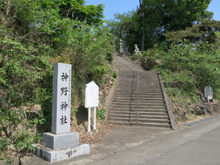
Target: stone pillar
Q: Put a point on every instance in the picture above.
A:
(61, 103)
(60, 143)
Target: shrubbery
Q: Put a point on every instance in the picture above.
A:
(101, 113)
(115, 74)
(188, 68)
(33, 36)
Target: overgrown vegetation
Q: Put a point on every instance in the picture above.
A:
(33, 36)
(186, 69)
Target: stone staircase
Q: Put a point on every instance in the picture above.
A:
(152, 110)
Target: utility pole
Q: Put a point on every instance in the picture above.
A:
(142, 14)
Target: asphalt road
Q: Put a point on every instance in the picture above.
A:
(195, 145)
(198, 144)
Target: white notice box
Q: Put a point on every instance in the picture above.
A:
(91, 95)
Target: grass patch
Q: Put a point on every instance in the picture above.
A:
(189, 117)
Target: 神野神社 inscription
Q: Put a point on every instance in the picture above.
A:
(64, 76)
(63, 106)
(64, 91)
(63, 120)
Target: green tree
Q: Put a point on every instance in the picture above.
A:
(159, 17)
(202, 31)
(171, 15)
(122, 27)
(92, 14)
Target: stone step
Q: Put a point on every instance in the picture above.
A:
(140, 91)
(141, 85)
(134, 101)
(134, 87)
(140, 105)
(118, 112)
(131, 80)
(134, 98)
(141, 82)
(146, 82)
(133, 115)
(124, 72)
(127, 109)
(144, 73)
(134, 94)
(140, 97)
(135, 74)
(139, 120)
(144, 93)
(135, 78)
(131, 73)
(155, 77)
(140, 76)
(160, 125)
(144, 90)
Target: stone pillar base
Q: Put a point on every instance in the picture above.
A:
(61, 154)
(60, 141)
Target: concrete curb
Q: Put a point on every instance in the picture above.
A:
(15, 161)
(169, 107)
(200, 121)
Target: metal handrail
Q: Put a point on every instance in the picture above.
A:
(137, 90)
(130, 109)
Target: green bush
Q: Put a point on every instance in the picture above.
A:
(115, 74)
(109, 57)
(190, 67)
(3, 144)
(101, 113)
(134, 57)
